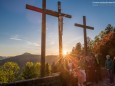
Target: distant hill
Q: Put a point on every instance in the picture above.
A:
(1, 57)
(21, 60)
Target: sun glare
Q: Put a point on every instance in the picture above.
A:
(64, 52)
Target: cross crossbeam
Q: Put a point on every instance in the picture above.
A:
(49, 12)
(82, 26)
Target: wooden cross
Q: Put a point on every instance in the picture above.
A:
(84, 26)
(58, 14)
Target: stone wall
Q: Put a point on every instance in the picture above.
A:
(53, 80)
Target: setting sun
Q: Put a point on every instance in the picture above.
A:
(64, 52)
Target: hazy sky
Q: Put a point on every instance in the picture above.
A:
(20, 29)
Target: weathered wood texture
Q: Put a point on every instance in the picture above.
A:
(46, 81)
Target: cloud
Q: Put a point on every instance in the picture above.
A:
(15, 37)
(33, 43)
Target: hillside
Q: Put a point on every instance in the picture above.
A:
(1, 57)
(27, 57)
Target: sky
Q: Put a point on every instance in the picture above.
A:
(20, 29)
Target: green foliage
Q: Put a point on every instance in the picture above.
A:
(3, 78)
(89, 44)
(47, 69)
(37, 69)
(9, 72)
(109, 28)
(31, 70)
(77, 49)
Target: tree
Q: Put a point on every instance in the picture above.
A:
(77, 49)
(105, 43)
(47, 69)
(109, 28)
(9, 72)
(31, 70)
(3, 78)
(36, 70)
(89, 44)
(114, 29)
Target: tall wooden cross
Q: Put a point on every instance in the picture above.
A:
(84, 26)
(58, 14)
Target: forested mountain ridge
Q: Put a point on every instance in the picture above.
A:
(21, 60)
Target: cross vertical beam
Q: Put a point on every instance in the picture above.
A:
(60, 30)
(84, 26)
(43, 42)
(85, 35)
